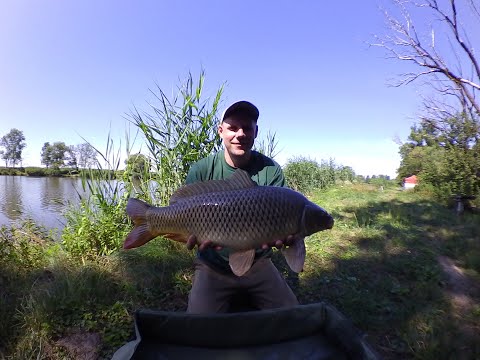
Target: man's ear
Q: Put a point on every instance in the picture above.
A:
(220, 129)
(256, 130)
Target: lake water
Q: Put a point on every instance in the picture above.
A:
(42, 199)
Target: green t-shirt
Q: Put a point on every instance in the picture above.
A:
(263, 170)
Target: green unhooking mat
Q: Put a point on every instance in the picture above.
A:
(315, 331)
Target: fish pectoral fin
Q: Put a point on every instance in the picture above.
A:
(241, 261)
(295, 255)
(138, 236)
(176, 237)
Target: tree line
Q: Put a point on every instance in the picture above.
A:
(55, 155)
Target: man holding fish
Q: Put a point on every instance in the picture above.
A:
(235, 207)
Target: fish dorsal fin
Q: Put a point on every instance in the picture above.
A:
(239, 180)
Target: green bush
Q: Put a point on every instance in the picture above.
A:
(302, 174)
(95, 230)
(11, 171)
(23, 245)
(53, 171)
(305, 175)
(35, 171)
(381, 181)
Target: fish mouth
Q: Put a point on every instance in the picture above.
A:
(315, 219)
(329, 222)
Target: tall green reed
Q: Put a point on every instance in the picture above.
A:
(267, 146)
(177, 133)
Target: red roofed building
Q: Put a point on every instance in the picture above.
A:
(410, 182)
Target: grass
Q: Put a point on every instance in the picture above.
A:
(378, 265)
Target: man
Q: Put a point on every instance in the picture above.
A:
(214, 285)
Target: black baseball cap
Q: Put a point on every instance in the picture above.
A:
(244, 107)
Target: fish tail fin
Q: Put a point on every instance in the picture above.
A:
(137, 211)
(141, 234)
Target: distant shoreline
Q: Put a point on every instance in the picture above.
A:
(37, 171)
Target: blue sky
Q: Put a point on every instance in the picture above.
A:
(73, 69)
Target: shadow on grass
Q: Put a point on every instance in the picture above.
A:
(46, 305)
(384, 274)
(160, 274)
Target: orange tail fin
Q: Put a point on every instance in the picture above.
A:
(141, 234)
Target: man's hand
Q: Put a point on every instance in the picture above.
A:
(289, 240)
(192, 242)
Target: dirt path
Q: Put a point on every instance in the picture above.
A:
(463, 293)
(460, 288)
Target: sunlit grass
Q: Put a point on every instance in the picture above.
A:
(379, 266)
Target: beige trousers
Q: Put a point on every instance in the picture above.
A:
(213, 292)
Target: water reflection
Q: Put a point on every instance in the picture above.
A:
(55, 192)
(11, 199)
(42, 199)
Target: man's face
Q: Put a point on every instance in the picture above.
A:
(238, 134)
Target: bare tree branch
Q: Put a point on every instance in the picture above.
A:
(443, 69)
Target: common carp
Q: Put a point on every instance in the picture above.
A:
(235, 213)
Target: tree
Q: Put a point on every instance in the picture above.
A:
(13, 143)
(54, 155)
(447, 159)
(137, 165)
(59, 151)
(417, 159)
(46, 155)
(71, 157)
(82, 155)
(345, 173)
(448, 62)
